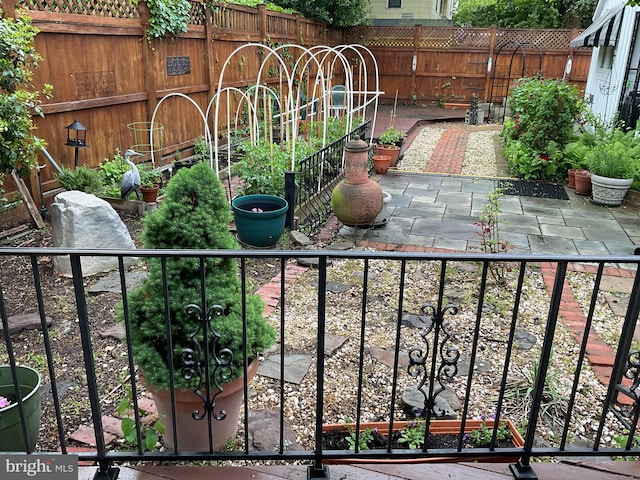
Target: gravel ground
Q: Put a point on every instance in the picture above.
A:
(480, 154)
(341, 369)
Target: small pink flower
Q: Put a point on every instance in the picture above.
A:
(257, 210)
(4, 402)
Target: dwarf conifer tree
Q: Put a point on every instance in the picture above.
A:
(194, 215)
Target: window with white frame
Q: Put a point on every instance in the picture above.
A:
(394, 3)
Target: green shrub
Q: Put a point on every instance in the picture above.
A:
(543, 116)
(615, 157)
(82, 178)
(194, 215)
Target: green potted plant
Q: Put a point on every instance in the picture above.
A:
(259, 209)
(389, 144)
(195, 215)
(613, 164)
(150, 181)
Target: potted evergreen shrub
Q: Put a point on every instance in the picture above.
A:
(195, 215)
(613, 164)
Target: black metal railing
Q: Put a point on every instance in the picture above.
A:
(309, 188)
(459, 326)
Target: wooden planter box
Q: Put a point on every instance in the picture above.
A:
(437, 427)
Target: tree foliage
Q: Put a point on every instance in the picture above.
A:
(18, 57)
(337, 13)
(524, 13)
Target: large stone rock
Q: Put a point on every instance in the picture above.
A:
(81, 220)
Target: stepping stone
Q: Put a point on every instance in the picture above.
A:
(300, 238)
(295, 367)
(29, 321)
(387, 357)
(524, 340)
(332, 343)
(481, 366)
(264, 432)
(610, 283)
(86, 435)
(617, 304)
(117, 332)
(335, 287)
(446, 401)
(111, 283)
(416, 321)
(63, 386)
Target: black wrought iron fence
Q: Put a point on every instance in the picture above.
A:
(309, 188)
(408, 340)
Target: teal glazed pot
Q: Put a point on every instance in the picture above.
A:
(259, 219)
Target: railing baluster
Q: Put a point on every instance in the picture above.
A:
(105, 469)
(523, 468)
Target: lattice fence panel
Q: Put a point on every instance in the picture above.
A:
(385, 36)
(545, 39)
(459, 37)
(472, 38)
(98, 8)
(197, 15)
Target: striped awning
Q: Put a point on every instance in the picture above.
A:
(602, 32)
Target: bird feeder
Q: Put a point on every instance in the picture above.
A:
(76, 138)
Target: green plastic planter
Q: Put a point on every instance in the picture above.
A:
(11, 437)
(259, 219)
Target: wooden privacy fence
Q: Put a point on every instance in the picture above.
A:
(437, 65)
(107, 75)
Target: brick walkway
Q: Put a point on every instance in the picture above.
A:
(448, 155)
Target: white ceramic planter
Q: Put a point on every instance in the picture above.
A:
(609, 191)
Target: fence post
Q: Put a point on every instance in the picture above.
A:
(209, 56)
(414, 62)
(262, 11)
(492, 46)
(148, 66)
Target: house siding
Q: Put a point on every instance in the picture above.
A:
(412, 12)
(605, 85)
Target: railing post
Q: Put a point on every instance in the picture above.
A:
(290, 197)
(523, 470)
(317, 470)
(105, 471)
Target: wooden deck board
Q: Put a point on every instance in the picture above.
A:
(433, 471)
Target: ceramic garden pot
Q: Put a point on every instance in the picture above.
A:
(193, 435)
(609, 191)
(259, 219)
(392, 151)
(11, 435)
(583, 183)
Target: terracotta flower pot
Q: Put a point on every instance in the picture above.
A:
(571, 177)
(437, 427)
(583, 182)
(149, 194)
(193, 435)
(392, 151)
(381, 163)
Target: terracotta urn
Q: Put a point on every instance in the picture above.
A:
(356, 200)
